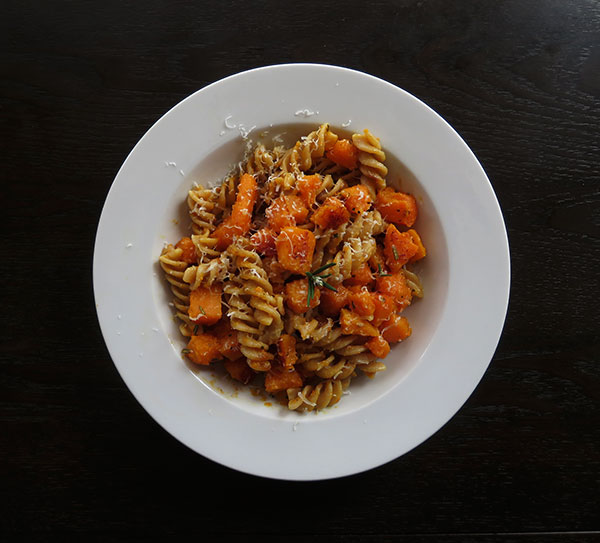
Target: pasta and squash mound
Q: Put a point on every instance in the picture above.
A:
(295, 273)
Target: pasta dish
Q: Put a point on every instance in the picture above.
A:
(297, 268)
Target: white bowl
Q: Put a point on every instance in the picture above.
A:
(456, 326)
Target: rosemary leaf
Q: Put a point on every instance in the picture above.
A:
(322, 268)
(327, 285)
(311, 291)
(381, 274)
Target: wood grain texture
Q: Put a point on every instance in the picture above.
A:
(81, 83)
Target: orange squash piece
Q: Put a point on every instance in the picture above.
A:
(286, 347)
(384, 307)
(362, 276)
(397, 207)
(378, 346)
(416, 239)
(286, 210)
(239, 370)
(203, 349)
(295, 248)
(344, 153)
(361, 301)
(229, 345)
(280, 378)
(205, 305)
(353, 324)
(331, 214)
(396, 287)
(189, 250)
(308, 188)
(356, 199)
(395, 329)
(239, 222)
(398, 248)
(263, 242)
(241, 212)
(225, 233)
(332, 302)
(296, 296)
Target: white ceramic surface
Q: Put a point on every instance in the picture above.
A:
(456, 326)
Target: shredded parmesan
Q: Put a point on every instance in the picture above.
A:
(305, 113)
(277, 138)
(305, 399)
(227, 125)
(244, 132)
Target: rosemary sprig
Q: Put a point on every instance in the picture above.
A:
(381, 274)
(316, 280)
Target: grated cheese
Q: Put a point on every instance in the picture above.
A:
(227, 125)
(277, 138)
(305, 399)
(305, 113)
(244, 132)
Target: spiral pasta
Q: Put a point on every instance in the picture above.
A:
(371, 159)
(256, 311)
(324, 394)
(174, 268)
(242, 320)
(311, 148)
(298, 268)
(202, 204)
(351, 347)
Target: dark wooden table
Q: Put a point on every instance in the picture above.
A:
(81, 83)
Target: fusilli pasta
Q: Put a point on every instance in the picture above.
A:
(298, 268)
